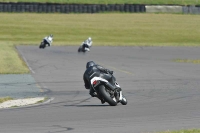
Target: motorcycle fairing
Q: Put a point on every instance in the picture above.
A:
(97, 79)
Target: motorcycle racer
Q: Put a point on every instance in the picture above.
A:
(48, 40)
(87, 44)
(92, 70)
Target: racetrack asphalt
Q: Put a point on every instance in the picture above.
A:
(18, 86)
(162, 94)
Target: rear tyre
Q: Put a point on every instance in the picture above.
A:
(79, 49)
(103, 93)
(42, 45)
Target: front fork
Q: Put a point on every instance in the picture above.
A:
(116, 95)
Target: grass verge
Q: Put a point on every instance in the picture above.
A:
(41, 101)
(3, 99)
(123, 29)
(11, 63)
(107, 29)
(183, 131)
(197, 61)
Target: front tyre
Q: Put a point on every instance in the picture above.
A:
(124, 101)
(106, 96)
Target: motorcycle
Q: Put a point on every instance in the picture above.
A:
(110, 93)
(83, 49)
(44, 43)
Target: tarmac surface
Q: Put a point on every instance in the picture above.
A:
(162, 94)
(18, 86)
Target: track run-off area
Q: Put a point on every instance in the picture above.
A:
(162, 94)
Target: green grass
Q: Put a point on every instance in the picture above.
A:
(41, 101)
(196, 61)
(178, 2)
(119, 29)
(105, 29)
(10, 61)
(3, 99)
(183, 131)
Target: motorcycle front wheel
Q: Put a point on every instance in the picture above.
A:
(106, 96)
(124, 101)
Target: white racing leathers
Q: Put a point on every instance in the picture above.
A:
(86, 45)
(48, 40)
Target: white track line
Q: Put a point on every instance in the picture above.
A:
(25, 61)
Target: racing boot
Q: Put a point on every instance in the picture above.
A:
(102, 101)
(94, 94)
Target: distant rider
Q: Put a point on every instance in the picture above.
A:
(95, 70)
(87, 44)
(48, 40)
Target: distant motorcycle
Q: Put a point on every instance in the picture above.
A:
(86, 45)
(47, 41)
(83, 49)
(106, 91)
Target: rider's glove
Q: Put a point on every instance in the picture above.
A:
(108, 71)
(111, 72)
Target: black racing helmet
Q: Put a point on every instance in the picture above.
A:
(89, 64)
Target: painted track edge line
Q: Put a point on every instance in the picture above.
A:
(20, 53)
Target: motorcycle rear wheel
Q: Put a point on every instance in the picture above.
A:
(79, 49)
(42, 45)
(103, 93)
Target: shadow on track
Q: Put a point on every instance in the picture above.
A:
(87, 105)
